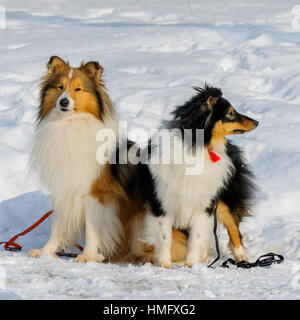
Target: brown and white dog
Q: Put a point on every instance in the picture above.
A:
(89, 194)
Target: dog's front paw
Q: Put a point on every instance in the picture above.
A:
(150, 259)
(165, 264)
(189, 263)
(205, 254)
(83, 258)
(239, 254)
(34, 253)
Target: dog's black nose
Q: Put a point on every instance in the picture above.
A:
(255, 123)
(64, 102)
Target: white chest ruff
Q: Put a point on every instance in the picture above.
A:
(182, 195)
(64, 155)
(64, 152)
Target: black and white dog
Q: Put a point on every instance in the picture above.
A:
(175, 199)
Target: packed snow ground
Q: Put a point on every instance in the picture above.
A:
(153, 53)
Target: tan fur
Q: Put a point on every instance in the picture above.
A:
(211, 101)
(132, 214)
(56, 64)
(226, 218)
(222, 129)
(87, 78)
(235, 125)
(218, 135)
(85, 87)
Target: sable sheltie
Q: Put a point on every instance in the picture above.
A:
(187, 201)
(88, 195)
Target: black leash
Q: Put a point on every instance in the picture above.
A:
(66, 254)
(216, 236)
(263, 261)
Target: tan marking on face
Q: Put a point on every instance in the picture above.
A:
(81, 90)
(222, 129)
(243, 124)
(248, 125)
(51, 84)
(87, 76)
(218, 135)
(72, 79)
(230, 113)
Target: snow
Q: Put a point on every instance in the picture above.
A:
(153, 53)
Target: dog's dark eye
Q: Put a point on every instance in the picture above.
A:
(230, 114)
(78, 89)
(60, 87)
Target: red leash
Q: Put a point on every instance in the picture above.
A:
(10, 245)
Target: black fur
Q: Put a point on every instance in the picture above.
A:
(124, 173)
(197, 114)
(147, 189)
(100, 103)
(239, 190)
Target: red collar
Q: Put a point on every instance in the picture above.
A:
(213, 156)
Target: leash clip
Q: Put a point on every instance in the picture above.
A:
(269, 259)
(12, 248)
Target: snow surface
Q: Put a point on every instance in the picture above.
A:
(153, 53)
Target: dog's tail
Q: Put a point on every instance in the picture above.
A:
(136, 250)
(179, 246)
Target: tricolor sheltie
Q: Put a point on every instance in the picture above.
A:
(187, 201)
(88, 195)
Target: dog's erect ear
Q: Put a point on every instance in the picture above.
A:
(213, 95)
(208, 95)
(211, 101)
(93, 70)
(55, 64)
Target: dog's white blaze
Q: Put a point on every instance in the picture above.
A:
(185, 198)
(71, 73)
(64, 153)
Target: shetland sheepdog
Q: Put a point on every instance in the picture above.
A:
(187, 201)
(89, 194)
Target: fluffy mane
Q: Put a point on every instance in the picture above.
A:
(194, 113)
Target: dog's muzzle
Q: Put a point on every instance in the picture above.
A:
(65, 103)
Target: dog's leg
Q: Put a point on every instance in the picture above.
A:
(235, 242)
(53, 243)
(102, 230)
(159, 232)
(164, 241)
(199, 242)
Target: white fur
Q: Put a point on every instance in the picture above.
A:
(184, 199)
(64, 153)
(66, 96)
(71, 73)
(239, 253)
(103, 230)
